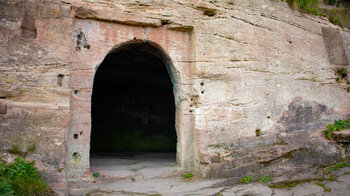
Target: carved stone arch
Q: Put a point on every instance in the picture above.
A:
(175, 52)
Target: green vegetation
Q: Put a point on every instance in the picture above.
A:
(338, 16)
(307, 6)
(319, 181)
(334, 10)
(246, 180)
(338, 125)
(328, 132)
(289, 184)
(31, 148)
(258, 132)
(16, 149)
(342, 73)
(334, 20)
(96, 175)
(339, 165)
(6, 187)
(331, 178)
(188, 175)
(326, 189)
(332, 2)
(266, 179)
(21, 178)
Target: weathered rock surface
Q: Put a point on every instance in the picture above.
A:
(239, 66)
(174, 184)
(342, 136)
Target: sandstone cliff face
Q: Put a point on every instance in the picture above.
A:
(241, 67)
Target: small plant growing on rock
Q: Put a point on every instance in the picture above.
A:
(96, 175)
(258, 132)
(342, 73)
(342, 77)
(328, 132)
(338, 125)
(307, 6)
(339, 165)
(246, 180)
(15, 149)
(289, 184)
(21, 178)
(31, 148)
(326, 189)
(266, 179)
(188, 175)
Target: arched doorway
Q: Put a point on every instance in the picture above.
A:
(162, 42)
(132, 105)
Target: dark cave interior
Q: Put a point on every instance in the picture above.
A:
(133, 107)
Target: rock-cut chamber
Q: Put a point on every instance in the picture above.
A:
(132, 105)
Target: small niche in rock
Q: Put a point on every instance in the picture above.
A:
(75, 136)
(165, 22)
(209, 12)
(60, 80)
(76, 157)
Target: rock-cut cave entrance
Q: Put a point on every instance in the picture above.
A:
(133, 107)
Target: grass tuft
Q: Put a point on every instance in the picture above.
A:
(307, 6)
(326, 189)
(339, 165)
(188, 175)
(338, 15)
(338, 125)
(15, 149)
(246, 180)
(289, 184)
(266, 179)
(96, 175)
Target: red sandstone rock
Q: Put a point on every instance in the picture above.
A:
(342, 136)
(238, 67)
